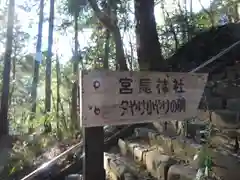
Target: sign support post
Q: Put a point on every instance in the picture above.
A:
(93, 163)
(93, 168)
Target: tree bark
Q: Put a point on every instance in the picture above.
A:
(48, 90)
(4, 126)
(74, 103)
(37, 61)
(110, 23)
(148, 46)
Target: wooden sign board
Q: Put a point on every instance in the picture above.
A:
(117, 98)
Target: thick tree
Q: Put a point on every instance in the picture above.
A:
(148, 46)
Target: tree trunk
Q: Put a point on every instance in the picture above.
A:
(74, 104)
(48, 90)
(38, 59)
(236, 12)
(110, 22)
(4, 127)
(106, 50)
(148, 46)
(120, 56)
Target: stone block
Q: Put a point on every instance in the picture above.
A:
(159, 126)
(203, 115)
(158, 164)
(195, 127)
(175, 126)
(179, 146)
(227, 91)
(211, 103)
(217, 77)
(233, 104)
(236, 67)
(162, 140)
(119, 167)
(231, 75)
(142, 132)
(181, 172)
(185, 148)
(123, 147)
(152, 158)
(225, 165)
(114, 166)
(232, 133)
(225, 119)
(171, 128)
(128, 176)
(138, 151)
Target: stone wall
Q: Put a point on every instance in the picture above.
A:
(222, 97)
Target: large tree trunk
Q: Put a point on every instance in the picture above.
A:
(4, 129)
(148, 46)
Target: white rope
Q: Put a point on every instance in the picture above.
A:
(215, 57)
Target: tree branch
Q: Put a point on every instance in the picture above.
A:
(103, 17)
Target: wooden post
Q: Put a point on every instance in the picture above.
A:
(93, 163)
(93, 167)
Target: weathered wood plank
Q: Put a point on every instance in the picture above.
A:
(147, 97)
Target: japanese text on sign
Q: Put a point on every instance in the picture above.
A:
(149, 107)
(114, 98)
(145, 86)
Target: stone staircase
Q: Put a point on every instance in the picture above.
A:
(222, 98)
(155, 153)
(149, 154)
(166, 154)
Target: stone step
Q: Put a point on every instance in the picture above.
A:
(186, 150)
(172, 129)
(227, 91)
(120, 167)
(225, 165)
(182, 172)
(160, 156)
(231, 133)
(233, 71)
(218, 76)
(233, 75)
(211, 103)
(180, 147)
(152, 158)
(236, 67)
(224, 118)
(233, 104)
